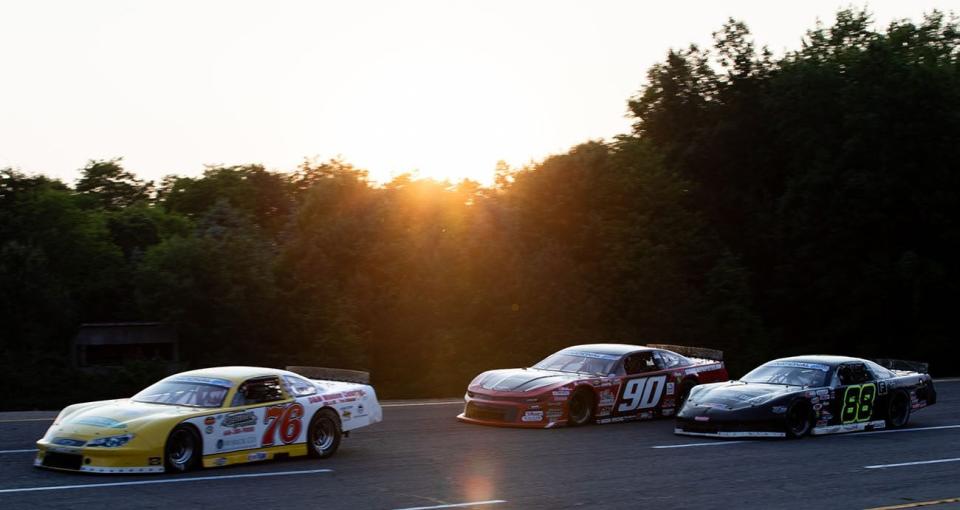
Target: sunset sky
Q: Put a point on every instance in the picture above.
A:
(445, 88)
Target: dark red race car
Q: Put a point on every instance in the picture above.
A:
(599, 383)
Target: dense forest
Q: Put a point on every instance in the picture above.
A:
(764, 205)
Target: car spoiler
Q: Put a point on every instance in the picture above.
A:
(900, 364)
(332, 374)
(693, 352)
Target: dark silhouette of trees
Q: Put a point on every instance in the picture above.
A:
(764, 206)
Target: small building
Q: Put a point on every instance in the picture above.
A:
(116, 343)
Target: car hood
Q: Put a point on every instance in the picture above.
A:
(738, 394)
(115, 417)
(522, 379)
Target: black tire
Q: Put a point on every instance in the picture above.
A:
(183, 450)
(798, 419)
(580, 408)
(898, 409)
(685, 387)
(324, 434)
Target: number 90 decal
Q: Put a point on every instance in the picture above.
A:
(643, 392)
(858, 403)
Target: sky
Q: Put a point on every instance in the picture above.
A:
(443, 88)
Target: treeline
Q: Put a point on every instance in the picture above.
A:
(764, 206)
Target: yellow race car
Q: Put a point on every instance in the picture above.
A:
(211, 417)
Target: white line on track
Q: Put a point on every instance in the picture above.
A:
(165, 480)
(19, 451)
(938, 461)
(457, 505)
(918, 429)
(686, 445)
(413, 404)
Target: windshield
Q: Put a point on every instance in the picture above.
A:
(576, 361)
(792, 373)
(186, 392)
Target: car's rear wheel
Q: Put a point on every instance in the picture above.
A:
(323, 436)
(799, 418)
(581, 408)
(898, 409)
(183, 449)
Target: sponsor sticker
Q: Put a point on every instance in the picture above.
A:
(532, 416)
(220, 461)
(209, 429)
(670, 388)
(779, 409)
(702, 418)
(799, 364)
(154, 461)
(241, 419)
(257, 456)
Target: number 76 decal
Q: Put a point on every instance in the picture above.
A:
(643, 392)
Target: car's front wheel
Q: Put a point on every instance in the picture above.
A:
(183, 449)
(323, 436)
(581, 408)
(799, 419)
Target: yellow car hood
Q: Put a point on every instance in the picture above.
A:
(114, 417)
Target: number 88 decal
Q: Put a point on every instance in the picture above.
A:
(858, 403)
(285, 418)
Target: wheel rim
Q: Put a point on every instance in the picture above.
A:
(181, 447)
(797, 420)
(898, 410)
(578, 409)
(323, 435)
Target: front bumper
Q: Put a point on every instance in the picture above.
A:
(123, 459)
(501, 412)
(723, 423)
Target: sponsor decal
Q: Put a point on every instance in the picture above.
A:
(824, 394)
(209, 420)
(554, 415)
(346, 414)
(360, 410)
(209, 429)
(799, 364)
(203, 380)
(561, 394)
(593, 355)
(711, 405)
(815, 400)
(604, 411)
(882, 387)
(670, 388)
(702, 418)
(779, 409)
(244, 430)
(817, 407)
(241, 419)
(253, 457)
(669, 402)
(607, 398)
(237, 443)
(220, 461)
(668, 412)
(646, 415)
(154, 461)
(532, 416)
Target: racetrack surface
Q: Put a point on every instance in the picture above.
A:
(420, 456)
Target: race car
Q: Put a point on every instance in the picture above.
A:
(793, 397)
(212, 417)
(599, 383)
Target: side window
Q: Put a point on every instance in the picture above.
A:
(853, 373)
(640, 362)
(299, 387)
(258, 391)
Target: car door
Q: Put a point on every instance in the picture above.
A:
(262, 414)
(642, 387)
(856, 395)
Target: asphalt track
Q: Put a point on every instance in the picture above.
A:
(421, 457)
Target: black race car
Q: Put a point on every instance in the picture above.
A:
(791, 397)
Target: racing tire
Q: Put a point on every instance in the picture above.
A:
(685, 387)
(898, 410)
(798, 419)
(183, 450)
(580, 409)
(324, 434)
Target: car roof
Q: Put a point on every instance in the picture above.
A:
(824, 359)
(234, 374)
(608, 349)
